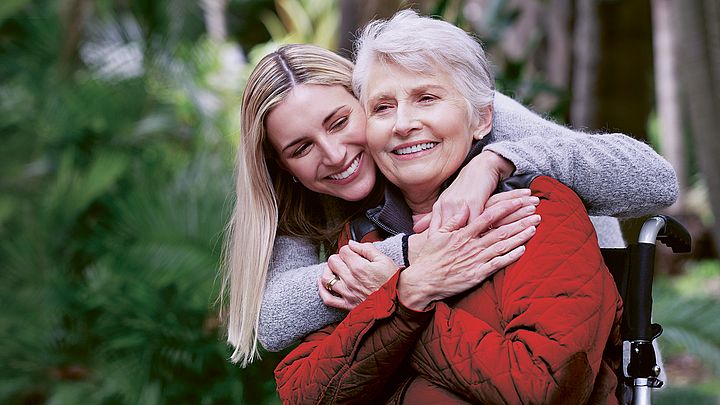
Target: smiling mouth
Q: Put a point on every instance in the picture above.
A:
(349, 171)
(415, 148)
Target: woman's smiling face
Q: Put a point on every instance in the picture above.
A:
(419, 129)
(318, 133)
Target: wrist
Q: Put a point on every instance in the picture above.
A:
(411, 292)
(497, 164)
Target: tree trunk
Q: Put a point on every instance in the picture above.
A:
(700, 76)
(667, 94)
(214, 13)
(585, 65)
(73, 14)
(624, 74)
(558, 58)
(355, 14)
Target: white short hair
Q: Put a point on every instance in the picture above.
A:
(425, 45)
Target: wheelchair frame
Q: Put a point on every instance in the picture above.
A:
(633, 270)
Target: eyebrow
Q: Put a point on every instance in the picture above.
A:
(325, 123)
(415, 90)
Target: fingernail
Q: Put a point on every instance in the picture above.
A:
(531, 230)
(535, 219)
(534, 200)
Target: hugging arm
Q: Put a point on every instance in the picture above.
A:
(291, 306)
(613, 174)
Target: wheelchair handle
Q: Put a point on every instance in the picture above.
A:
(642, 259)
(668, 231)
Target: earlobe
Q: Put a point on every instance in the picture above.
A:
(484, 123)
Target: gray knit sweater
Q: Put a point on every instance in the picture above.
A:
(613, 174)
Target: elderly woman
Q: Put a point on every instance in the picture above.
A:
(543, 330)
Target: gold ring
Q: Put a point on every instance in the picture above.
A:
(331, 283)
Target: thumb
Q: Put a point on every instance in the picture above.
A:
(458, 220)
(422, 223)
(367, 251)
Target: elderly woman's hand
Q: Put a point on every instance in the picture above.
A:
(459, 256)
(472, 188)
(504, 228)
(360, 268)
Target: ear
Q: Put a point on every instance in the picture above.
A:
(483, 123)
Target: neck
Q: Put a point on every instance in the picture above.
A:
(421, 202)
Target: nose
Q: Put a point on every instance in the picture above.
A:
(333, 150)
(405, 120)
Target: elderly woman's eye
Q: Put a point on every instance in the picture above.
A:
(427, 98)
(380, 108)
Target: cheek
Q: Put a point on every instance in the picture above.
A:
(303, 169)
(376, 140)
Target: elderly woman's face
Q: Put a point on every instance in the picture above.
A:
(419, 129)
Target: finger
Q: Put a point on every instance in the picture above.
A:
(358, 266)
(507, 195)
(509, 230)
(332, 300)
(499, 262)
(327, 274)
(508, 244)
(491, 215)
(338, 266)
(435, 219)
(458, 220)
(368, 251)
(524, 212)
(422, 223)
(475, 211)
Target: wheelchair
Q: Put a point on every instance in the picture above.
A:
(633, 269)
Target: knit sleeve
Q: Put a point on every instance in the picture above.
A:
(291, 307)
(612, 173)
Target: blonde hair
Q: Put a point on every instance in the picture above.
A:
(268, 201)
(422, 45)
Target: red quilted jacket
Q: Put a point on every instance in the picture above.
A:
(544, 330)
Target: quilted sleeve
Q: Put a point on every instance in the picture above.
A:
(353, 361)
(556, 308)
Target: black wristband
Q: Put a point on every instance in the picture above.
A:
(406, 261)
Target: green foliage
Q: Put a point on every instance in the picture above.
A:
(304, 21)
(687, 308)
(115, 186)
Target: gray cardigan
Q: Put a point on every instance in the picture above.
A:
(612, 173)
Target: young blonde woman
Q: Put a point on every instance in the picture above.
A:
(294, 192)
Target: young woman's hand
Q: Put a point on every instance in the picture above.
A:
(360, 268)
(462, 254)
(472, 188)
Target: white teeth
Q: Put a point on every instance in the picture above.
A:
(414, 148)
(349, 171)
